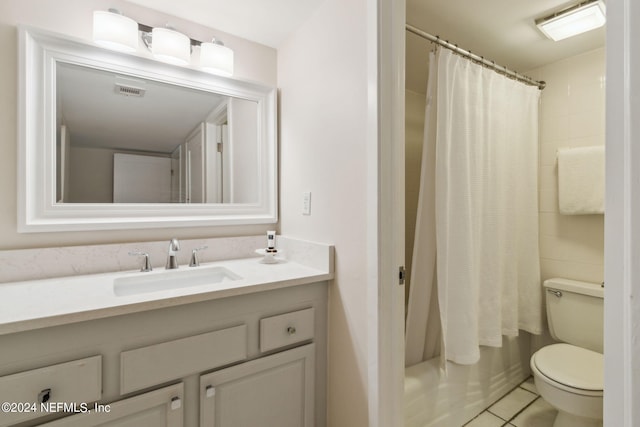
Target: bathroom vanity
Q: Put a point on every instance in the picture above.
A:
(87, 339)
(248, 350)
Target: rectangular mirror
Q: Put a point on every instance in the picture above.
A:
(111, 140)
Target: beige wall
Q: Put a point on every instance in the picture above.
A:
(322, 75)
(572, 114)
(74, 17)
(90, 175)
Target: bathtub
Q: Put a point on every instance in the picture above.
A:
(432, 399)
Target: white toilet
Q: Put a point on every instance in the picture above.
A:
(570, 375)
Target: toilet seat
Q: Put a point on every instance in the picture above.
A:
(570, 368)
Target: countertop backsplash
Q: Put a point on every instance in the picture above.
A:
(46, 263)
(43, 263)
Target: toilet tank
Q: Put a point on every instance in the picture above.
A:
(575, 312)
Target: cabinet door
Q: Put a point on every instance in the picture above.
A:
(273, 391)
(159, 408)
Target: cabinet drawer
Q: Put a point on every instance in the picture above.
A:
(79, 381)
(159, 363)
(158, 408)
(286, 329)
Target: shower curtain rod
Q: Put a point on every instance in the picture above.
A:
(477, 58)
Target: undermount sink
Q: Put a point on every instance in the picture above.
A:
(172, 279)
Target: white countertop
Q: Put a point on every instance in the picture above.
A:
(37, 304)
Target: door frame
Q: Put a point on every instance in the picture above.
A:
(622, 219)
(385, 220)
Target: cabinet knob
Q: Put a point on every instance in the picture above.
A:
(176, 403)
(44, 395)
(291, 330)
(210, 391)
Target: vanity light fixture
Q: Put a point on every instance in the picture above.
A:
(113, 30)
(574, 20)
(169, 45)
(216, 58)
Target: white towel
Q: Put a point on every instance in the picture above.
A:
(581, 180)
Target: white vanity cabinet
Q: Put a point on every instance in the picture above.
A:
(271, 391)
(257, 359)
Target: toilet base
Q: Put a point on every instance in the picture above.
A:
(565, 419)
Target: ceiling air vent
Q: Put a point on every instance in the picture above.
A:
(129, 87)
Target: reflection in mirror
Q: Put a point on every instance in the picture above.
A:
(183, 148)
(125, 139)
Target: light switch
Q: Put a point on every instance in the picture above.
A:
(306, 203)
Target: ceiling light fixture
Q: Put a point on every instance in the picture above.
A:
(114, 31)
(577, 19)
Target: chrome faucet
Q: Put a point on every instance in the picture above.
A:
(195, 261)
(146, 267)
(172, 257)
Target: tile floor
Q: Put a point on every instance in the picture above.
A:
(521, 407)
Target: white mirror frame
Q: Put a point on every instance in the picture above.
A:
(39, 52)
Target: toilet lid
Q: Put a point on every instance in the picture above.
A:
(572, 366)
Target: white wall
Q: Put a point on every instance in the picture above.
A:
(322, 75)
(74, 17)
(572, 114)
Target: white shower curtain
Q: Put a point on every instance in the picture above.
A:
(476, 244)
